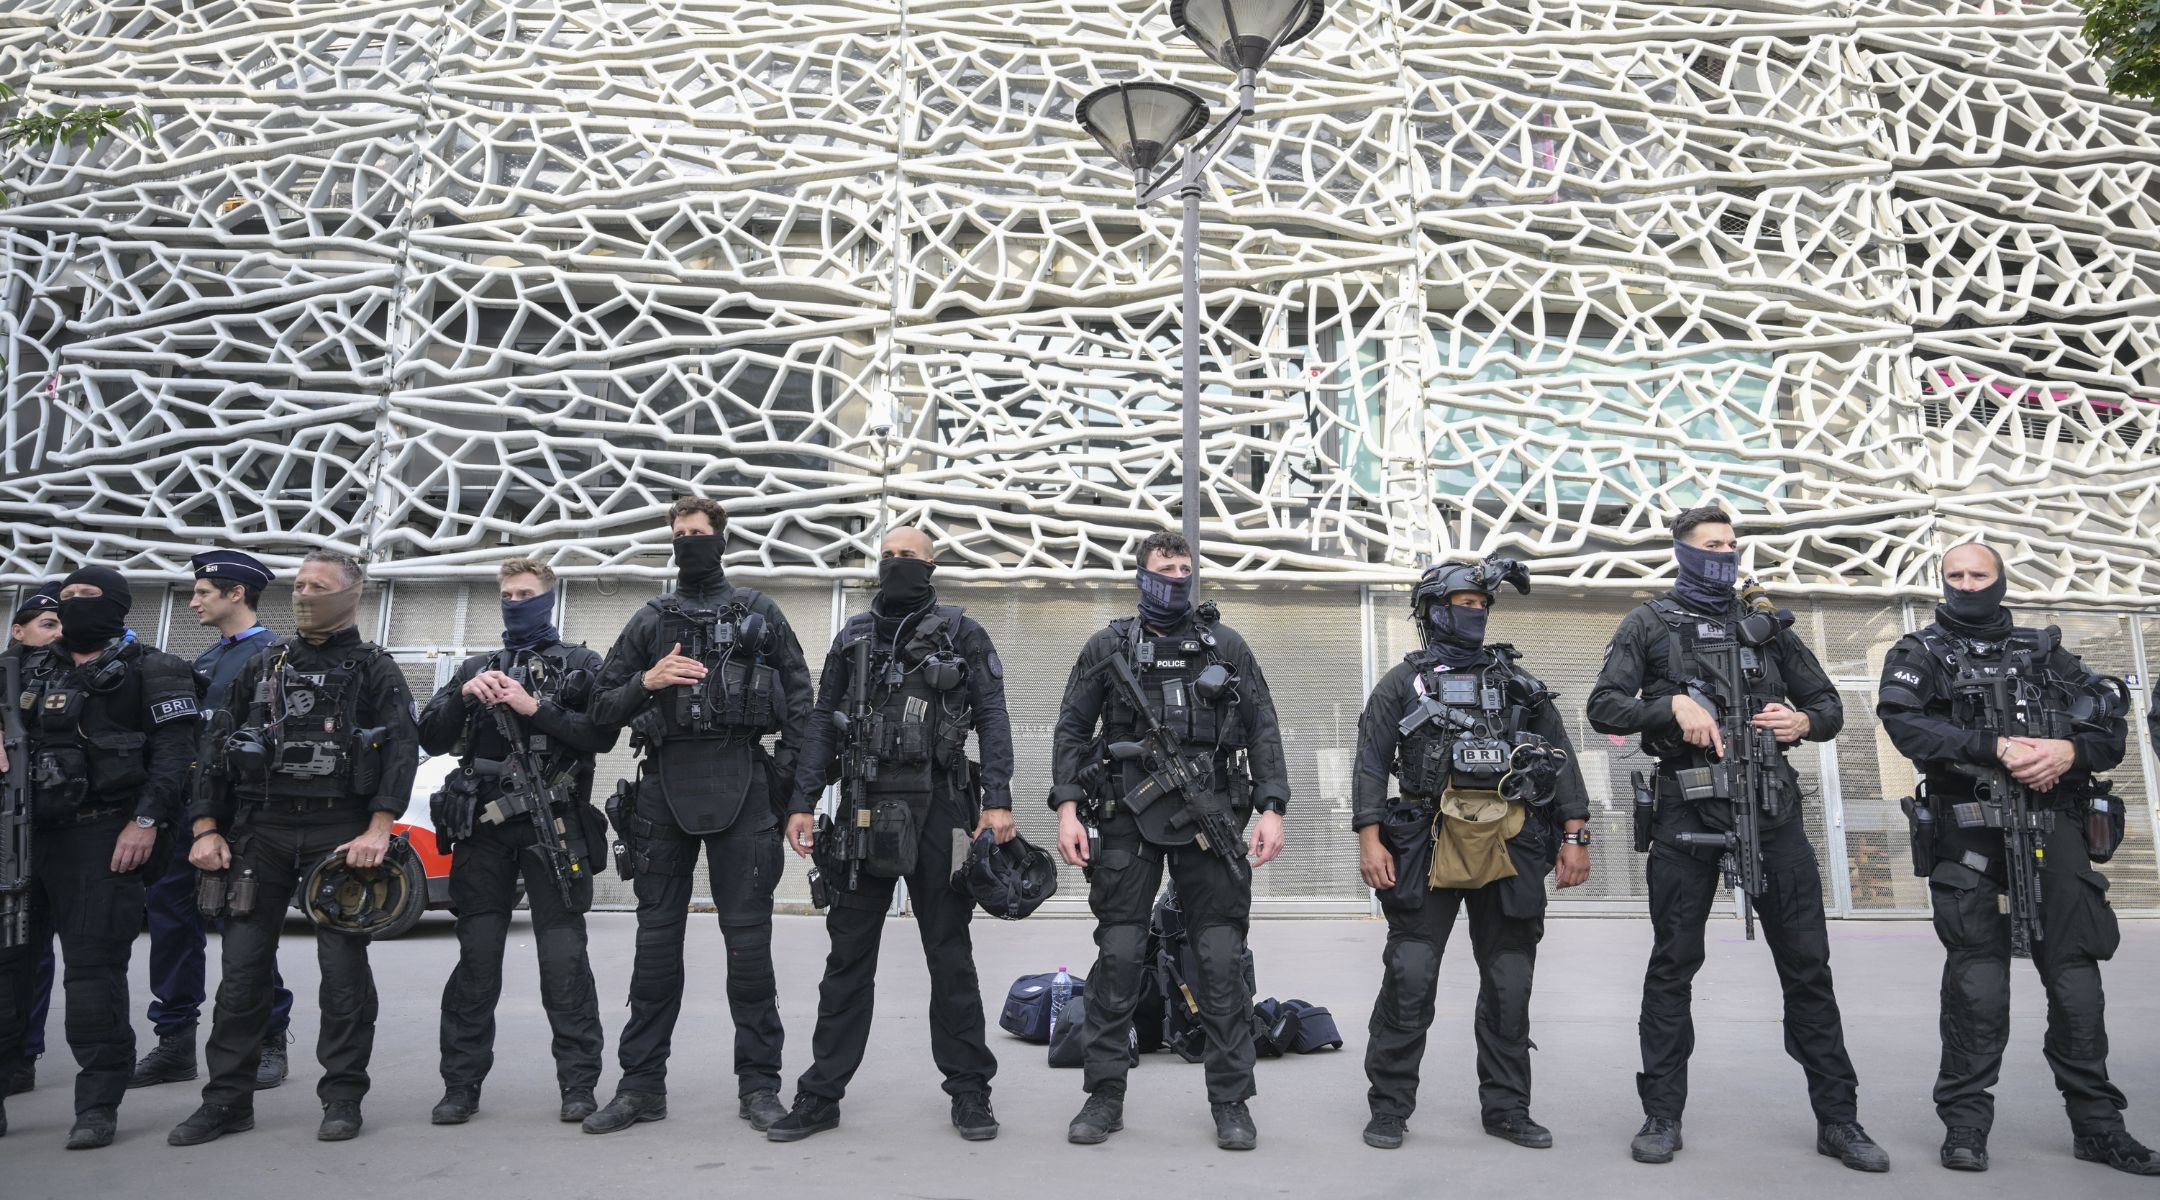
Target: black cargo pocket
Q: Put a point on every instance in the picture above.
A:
(2096, 925)
(1965, 912)
(116, 763)
(1407, 833)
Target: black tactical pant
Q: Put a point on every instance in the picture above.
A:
(484, 874)
(745, 863)
(282, 845)
(1505, 948)
(856, 924)
(1683, 890)
(1218, 905)
(97, 914)
(2078, 934)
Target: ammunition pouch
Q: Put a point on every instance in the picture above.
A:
(210, 892)
(452, 809)
(116, 763)
(895, 838)
(2105, 815)
(59, 783)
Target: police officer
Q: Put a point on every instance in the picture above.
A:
(542, 686)
(933, 675)
(1643, 689)
(312, 753)
(228, 589)
(1203, 688)
(1492, 800)
(1927, 702)
(701, 675)
(110, 726)
(36, 623)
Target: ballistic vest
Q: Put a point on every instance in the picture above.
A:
(740, 697)
(919, 691)
(1467, 745)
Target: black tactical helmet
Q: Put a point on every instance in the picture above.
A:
(1008, 881)
(367, 900)
(1446, 579)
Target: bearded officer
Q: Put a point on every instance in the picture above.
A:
(542, 685)
(227, 592)
(110, 725)
(1491, 801)
(1928, 702)
(1643, 689)
(933, 676)
(312, 753)
(1204, 689)
(701, 676)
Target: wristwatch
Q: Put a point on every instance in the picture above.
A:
(1578, 837)
(145, 823)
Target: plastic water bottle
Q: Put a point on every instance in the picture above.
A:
(1060, 992)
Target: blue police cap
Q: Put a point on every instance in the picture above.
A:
(229, 567)
(45, 599)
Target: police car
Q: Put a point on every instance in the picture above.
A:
(418, 826)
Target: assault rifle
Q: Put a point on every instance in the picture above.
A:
(2008, 704)
(1746, 774)
(1169, 767)
(860, 728)
(522, 791)
(14, 812)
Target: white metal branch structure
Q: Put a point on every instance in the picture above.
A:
(426, 279)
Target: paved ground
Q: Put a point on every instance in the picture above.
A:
(1748, 1130)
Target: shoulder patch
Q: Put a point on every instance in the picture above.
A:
(997, 668)
(1905, 676)
(175, 709)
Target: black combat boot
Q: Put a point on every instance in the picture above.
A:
(1850, 1144)
(1384, 1131)
(762, 1108)
(2118, 1150)
(94, 1129)
(811, 1114)
(457, 1106)
(1964, 1148)
(1101, 1116)
(1234, 1129)
(211, 1122)
(578, 1104)
(1657, 1141)
(25, 1077)
(1518, 1128)
(270, 1072)
(627, 1109)
(340, 1121)
(172, 1060)
(971, 1115)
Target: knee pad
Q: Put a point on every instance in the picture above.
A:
(1116, 981)
(96, 1001)
(1508, 979)
(1220, 951)
(750, 977)
(1412, 970)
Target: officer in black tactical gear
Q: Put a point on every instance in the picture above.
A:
(932, 676)
(2070, 727)
(485, 815)
(110, 726)
(1183, 776)
(36, 623)
(702, 675)
(1657, 654)
(227, 591)
(1492, 800)
(313, 752)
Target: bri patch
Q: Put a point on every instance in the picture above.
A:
(172, 710)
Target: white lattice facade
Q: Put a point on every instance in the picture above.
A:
(427, 281)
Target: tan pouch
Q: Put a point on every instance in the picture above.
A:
(1470, 849)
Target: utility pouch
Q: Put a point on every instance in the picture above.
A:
(240, 895)
(622, 814)
(450, 811)
(1645, 810)
(2104, 817)
(894, 839)
(210, 889)
(367, 760)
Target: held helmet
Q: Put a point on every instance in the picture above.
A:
(1446, 579)
(1008, 881)
(373, 902)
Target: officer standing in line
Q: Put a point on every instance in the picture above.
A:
(228, 589)
(701, 676)
(1180, 804)
(36, 623)
(545, 685)
(313, 753)
(1643, 689)
(933, 675)
(111, 725)
(1926, 703)
(1492, 800)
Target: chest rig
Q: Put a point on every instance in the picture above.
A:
(547, 675)
(1690, 637)
(740, 696)
(69, 748)
(919, 692)
(302, 739)
(1189, 688)
(1460, 729)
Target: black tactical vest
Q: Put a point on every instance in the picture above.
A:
(1169, 669)
(1686, 632)
(921, 695)
(1971, 666)
(548, 676)
(307, 724)
(740, 696)
(1467, 743)
(82, 762)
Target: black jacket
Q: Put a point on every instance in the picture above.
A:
(139, 736)
(986, 702)
(1380, 732)
(449, 712)
(1081, 714)
(1634, 689)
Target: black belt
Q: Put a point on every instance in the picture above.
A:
(82, 817)
(308, 804)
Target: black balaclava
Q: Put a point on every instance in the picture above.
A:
(1164, 600)
(1978, 614)
(530, 623)
(904, 585)
(1706, 576)
(87, 623)
(1456, 626)
(697, 562)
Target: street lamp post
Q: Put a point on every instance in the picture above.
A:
(1140, 123)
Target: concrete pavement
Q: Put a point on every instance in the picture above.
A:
(1748, 1129)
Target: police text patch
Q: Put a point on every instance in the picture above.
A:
(172, 710)
(1907, 676)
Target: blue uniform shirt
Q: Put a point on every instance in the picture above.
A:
(220, 664)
